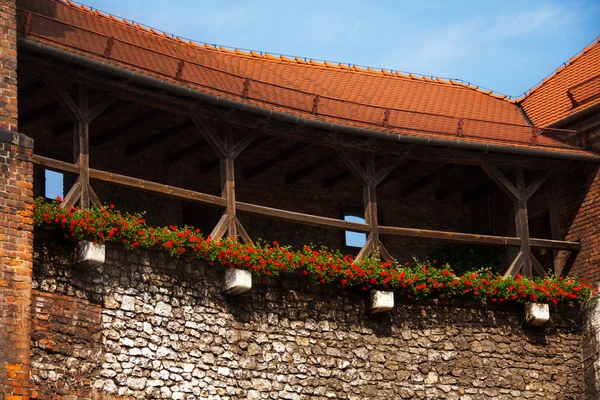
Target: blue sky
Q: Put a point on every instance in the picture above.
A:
(507, 46)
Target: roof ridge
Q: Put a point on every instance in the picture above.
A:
(289, 59)
(558, 70)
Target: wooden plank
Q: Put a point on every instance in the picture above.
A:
(63, 97)
(354, 166)
(384, 253)
(537, 266)
(139, 146)
(390, 167)
(143, 119)
(55, 164)
(242, 231)
(228, 182)
(246, 141)
(221, 227)
(81, 145)
(309, 169)
(94, 197)
(210, 135)
(155, 187)
(522, 225)
(370, 202)
(366, 250)
(102, 106)
(269, 163)
(39, 113)
(424, 180)
(536, 184)
(301, 218)
(516, 265)
(497, 176)
(180, 154)
(336, 179)
(73, 195)
(67, 127)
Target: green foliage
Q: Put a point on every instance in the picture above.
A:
(418, 279)
(464, 258)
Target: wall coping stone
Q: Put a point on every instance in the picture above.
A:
(16, 138)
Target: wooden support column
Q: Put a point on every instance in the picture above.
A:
(370, 178)
(524, 262)
(229, 225)
(82, 115)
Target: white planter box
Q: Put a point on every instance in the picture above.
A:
(381, 301)
(237, 281)
(536, 314)
(89, 254)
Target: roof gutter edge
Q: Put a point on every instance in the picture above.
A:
(574, 117)
(290, 118)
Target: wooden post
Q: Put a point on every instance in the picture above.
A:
(81, 141)
(82, 115)
(370, 178)
(524, 261)
(229, 225)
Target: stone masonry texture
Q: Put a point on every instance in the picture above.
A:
(146, 326)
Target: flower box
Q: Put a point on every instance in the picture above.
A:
(89, 254)
(381, 301)
(237, 281)
(536, 314)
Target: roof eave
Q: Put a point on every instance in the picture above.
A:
(290, 118)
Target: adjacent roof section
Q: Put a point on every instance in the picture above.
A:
(374, 99)
(573, 87)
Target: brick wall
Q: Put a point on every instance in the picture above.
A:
(16, 237)
(16, 253)
(8, 65)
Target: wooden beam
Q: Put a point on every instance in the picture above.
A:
(501, 180)
(143, 119)
(309, 169)
(536, 184)
(353, 165)
(102, 106)
(247, 141)
(265, 165)
(81, 153)
(141, 145)
(208, 166)
(425, 180)
(334, 180)
(522, 224)
(301, 218)
(211, 136)
(67, 127)
(63, 97)
(307, 219)
(475, 193)
(178, 155)
(38, 113)
(30, 88)
(228, 182)
(390, 167)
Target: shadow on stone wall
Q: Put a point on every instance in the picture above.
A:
(167, 331)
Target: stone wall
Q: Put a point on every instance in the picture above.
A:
(146, 326)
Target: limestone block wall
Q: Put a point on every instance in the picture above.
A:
(145, 326)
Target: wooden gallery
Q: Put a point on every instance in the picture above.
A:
(274, 157)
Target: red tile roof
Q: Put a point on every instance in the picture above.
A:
(573, 87)
(375, 99)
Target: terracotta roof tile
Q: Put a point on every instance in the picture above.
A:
(356, 96)
(573, 87)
